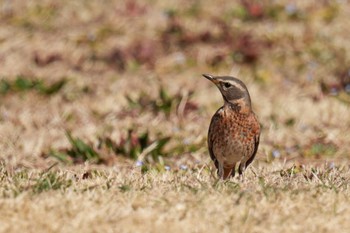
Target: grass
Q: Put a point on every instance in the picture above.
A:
(127, 199)
(104, 115)
(22, 84)
(79, 152)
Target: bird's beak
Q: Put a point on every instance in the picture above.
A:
(211, 78)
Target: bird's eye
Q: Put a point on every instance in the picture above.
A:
(227, 85)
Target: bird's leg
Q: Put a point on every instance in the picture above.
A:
(241, 177)
(241, 170)
(224, 172)
(233, 171)
(221, 171)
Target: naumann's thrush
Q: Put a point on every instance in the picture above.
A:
(234, 131)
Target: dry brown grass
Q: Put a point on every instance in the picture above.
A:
(293, 58)
(270, 199)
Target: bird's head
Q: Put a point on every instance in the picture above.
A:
(233, 90)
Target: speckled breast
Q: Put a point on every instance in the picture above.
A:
(232, 136)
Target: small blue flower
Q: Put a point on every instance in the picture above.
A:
(276, 153)
(186, 141)
(309, 77)
(183, 167)
(347, 88)
(138, 163)
(290, 8)
(334, 91)
(167, 168)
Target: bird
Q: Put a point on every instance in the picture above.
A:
(234, 130)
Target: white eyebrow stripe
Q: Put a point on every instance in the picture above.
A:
(237, 85)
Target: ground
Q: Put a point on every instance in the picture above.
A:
(104, 115)
(269, 199)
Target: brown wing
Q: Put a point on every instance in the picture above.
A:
(214, 119)
(256, 144)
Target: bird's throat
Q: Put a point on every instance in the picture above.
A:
(239, 106)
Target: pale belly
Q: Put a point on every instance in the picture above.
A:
(230, 150)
